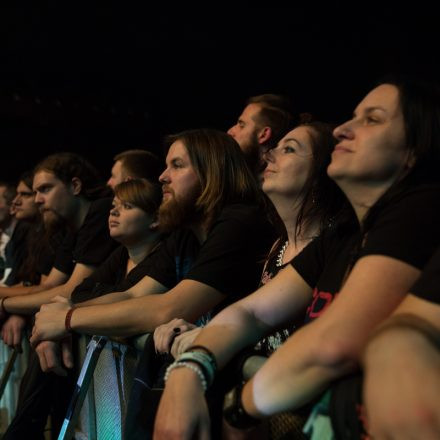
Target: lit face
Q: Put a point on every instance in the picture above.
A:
(246, 130)
(117, 175)
(4, 206)
(24, 203)
(128, 224)
(288, 165)
(372, 148)
(55, 199)
(179, 180)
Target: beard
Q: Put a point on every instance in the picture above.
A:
(175, 213)
(53, 222)
(253, 155)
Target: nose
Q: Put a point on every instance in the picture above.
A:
(343, 131)
(231, 131)
(16, 201)
(164, 177)
(39, 198)
(268, 155)
(114, 212)
(110, 182)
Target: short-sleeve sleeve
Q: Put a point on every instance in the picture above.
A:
(309, 263)
(108, 274)
(230, 260)
(428, 285)
(174, 258)
(93, 243)
(63, 260)
(407, 229)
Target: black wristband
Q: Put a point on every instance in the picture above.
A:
(234, 412)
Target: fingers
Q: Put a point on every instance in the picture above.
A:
(49, 358)
(16, 338)
(35, 338)
(12, 331)
(66, 352)
(165, 334)
(61, 299)
(184, 341)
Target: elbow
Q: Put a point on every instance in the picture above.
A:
(337, 353)
(165, 313)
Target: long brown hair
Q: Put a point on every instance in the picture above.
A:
(221, 168)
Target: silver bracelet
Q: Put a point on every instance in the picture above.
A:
(192, 367)
(203, 360)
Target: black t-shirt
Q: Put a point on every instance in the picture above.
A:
(230, 260)
(111, 276)
(406, 228)
(91, 244)
(428, 285)
(272, 342)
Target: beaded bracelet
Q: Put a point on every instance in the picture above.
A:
(67, 320)
(192, 367)
(203, 360)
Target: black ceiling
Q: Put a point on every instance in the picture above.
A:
(116, 77)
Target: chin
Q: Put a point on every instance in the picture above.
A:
(116, 236)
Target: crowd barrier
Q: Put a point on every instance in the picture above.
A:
(99, 403)
(12, 367)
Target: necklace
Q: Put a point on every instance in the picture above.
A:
(280, 257)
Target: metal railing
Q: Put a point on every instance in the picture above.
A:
(99, 403)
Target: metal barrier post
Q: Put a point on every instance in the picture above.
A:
(95, 347)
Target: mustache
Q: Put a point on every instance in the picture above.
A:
(167, 189)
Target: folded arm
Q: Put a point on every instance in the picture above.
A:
(189, 299)
(399, 404)
(29, 304)
(331, 346)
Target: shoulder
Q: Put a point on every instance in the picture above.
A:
(101, 205)
(417, 195)
(248, 215)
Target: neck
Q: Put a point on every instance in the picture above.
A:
(81, 211)
(289, 216)
(362, 197)
(137, 252)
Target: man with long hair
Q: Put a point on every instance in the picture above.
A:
(218, 239)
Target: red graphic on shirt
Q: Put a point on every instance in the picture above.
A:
(321, 300)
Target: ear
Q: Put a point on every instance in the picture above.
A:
(410, 161)
(154, 225)
(76, 186)
(264, 135)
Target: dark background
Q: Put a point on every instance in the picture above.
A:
(98, 80)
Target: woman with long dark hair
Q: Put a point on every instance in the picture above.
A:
(386, 162)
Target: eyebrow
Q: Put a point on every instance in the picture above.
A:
(294, 140)
(175, 160)
(371, 109)
(42, 186)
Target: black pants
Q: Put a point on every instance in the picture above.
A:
(346, 409)
(40, 394)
